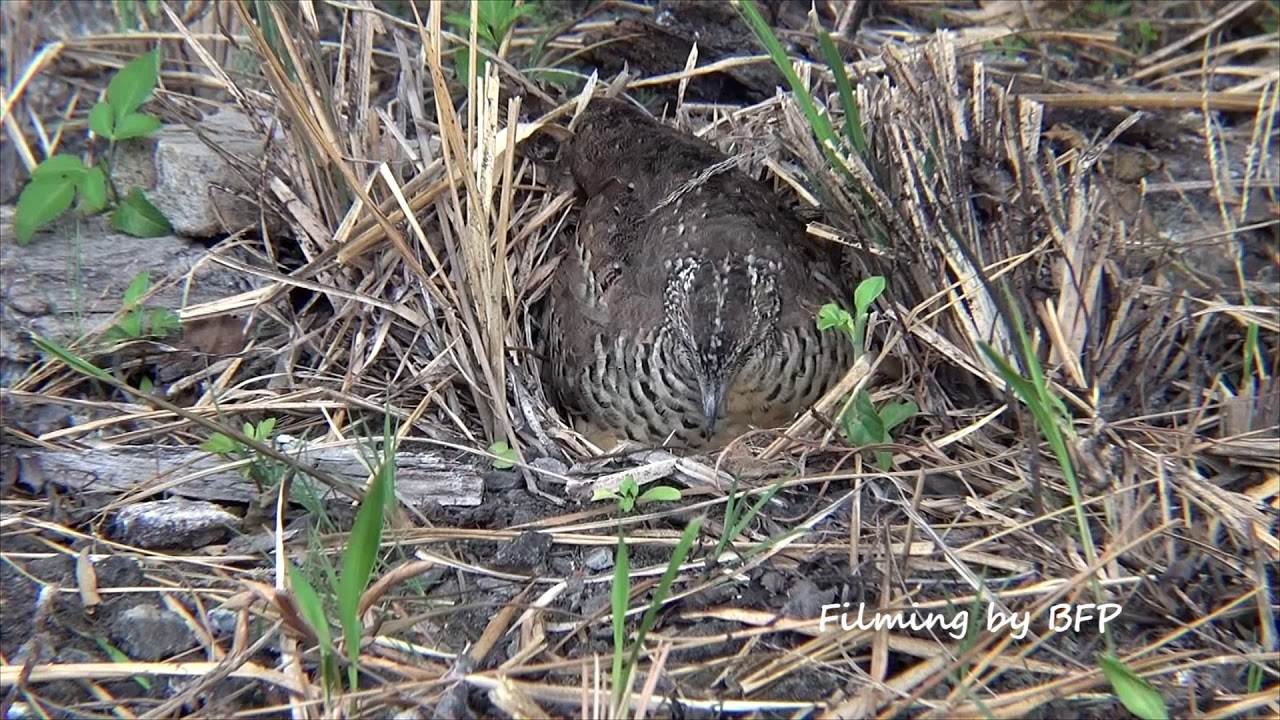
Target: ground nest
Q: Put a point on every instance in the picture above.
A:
(1078, 233)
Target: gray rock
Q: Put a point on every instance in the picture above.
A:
(182, 175)
(599, 559)
(175, 523)
(148, 633)
(72, 278)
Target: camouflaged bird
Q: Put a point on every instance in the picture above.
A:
(683, 310)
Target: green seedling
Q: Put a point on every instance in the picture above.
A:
(736, 521)
(358, 563)
(60, 179)
(629, 496)
(495, 19)
(505, 456)
(140, 322)
(1136, 694)
(263, 472)
(130, 13)
(623, 669)
(862, 422)
(832, 316)
(865, 424)
(1051, 418)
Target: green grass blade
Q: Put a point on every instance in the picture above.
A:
(730, 515)
(852, 115)
(358, 562)
(678, 555)
(311, 607)
(820, 123)
(1136, 694)
(73, 361)
(751, 512)
(619, 595)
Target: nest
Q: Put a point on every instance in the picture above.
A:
(416, 227)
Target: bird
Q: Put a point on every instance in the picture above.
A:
(682, 313)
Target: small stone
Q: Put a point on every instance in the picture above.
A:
(598, 559)
(148, 633)
(187, 524)
(525, 552)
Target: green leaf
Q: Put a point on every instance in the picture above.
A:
(137, 289)
(118, 656)
(884, 460)
(563, 79)
(603, 494)
(219, 444)
(133, 85)
(619, 594)
(506, 457)
(129, 327)
(102, 121)
(661, 592)
(869, 416)
(741, 524)
(265, 428)
(135, 125)
(310, 606)
(1136, 694)
(70, 359)
(832, 315)
(628, 487)
(162, 322)
(358, 562)
(460, 23)
(856, 432)
(852, 117)
(136, 216)
(60, 167)
(146, 385)
(40, 203)
(660, 493)
(93, 191)
(894, 414)
(867, 292)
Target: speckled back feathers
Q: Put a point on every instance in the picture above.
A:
(683, 308)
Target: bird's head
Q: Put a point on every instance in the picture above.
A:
(720, 313)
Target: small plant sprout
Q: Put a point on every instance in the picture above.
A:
(60, 179)
(495, 18)
(832, 316)
(622, 671)
(863, 423)
(735, 520)
(504, 456)
(346, 589)
(629, 496)
(1136, 694)
(263, 472)
(140, 322)
(494, 21)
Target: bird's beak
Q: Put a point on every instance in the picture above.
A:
(712, 397)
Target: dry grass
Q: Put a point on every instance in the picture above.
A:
(425, 233)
